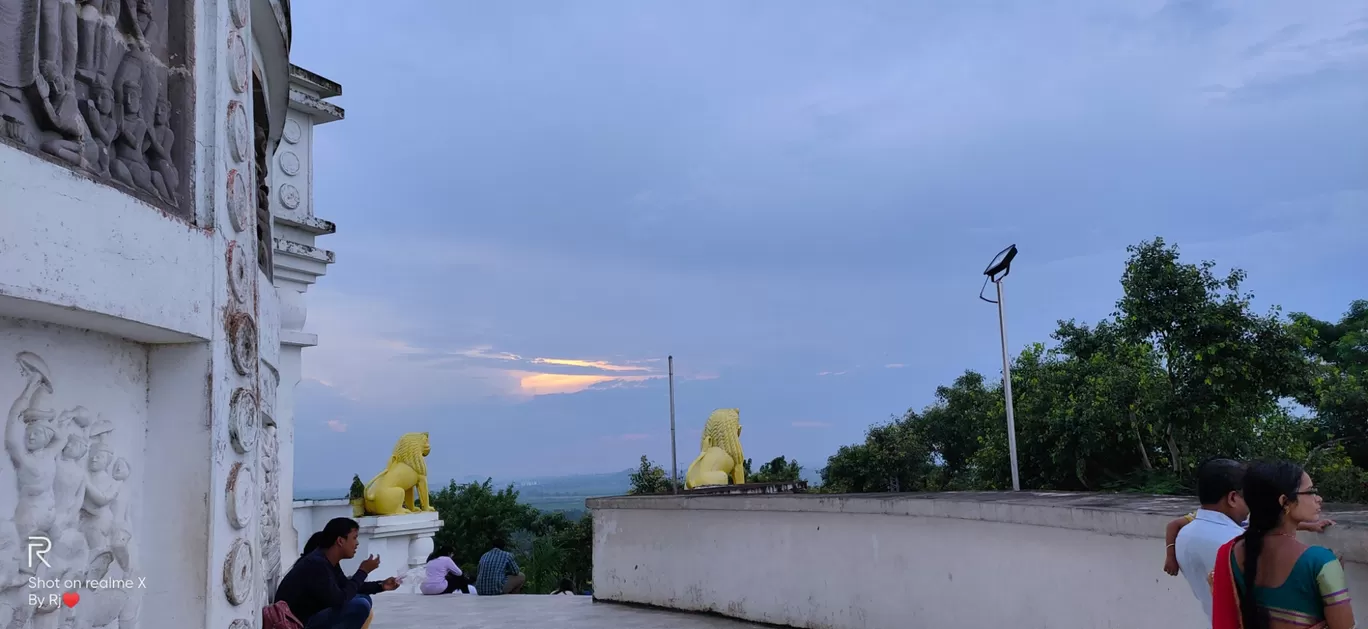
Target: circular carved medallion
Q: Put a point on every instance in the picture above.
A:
(239, 135)
(239, 208)
(239, 276)
(238, 10)
(238, 572)
(241, 496)
(292, 132)
(289, 163)
(289, 196)
(242, 334)
(237, 63)
(243, 423)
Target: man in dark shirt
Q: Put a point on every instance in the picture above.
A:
(317, 591)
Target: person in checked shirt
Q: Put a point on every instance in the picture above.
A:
(499, 572)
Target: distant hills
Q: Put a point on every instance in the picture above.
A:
(548, 493)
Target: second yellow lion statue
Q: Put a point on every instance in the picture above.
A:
(720, 459)
(391, 491)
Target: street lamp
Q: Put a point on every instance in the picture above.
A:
(996, 272)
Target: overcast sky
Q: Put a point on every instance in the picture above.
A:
(538, 201)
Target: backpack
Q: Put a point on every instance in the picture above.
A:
(278, 616)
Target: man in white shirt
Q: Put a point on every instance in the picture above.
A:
(1219, 486)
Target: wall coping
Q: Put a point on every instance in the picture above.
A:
(300, 503)
(1130, 515)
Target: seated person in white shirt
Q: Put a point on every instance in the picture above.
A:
(1194, 539)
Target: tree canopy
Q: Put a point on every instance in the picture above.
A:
(1184, 369)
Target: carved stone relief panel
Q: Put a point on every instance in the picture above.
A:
(103, 87)
(242, 339)
(240, 276)
(239, 203)
(237, 63)
(241, 496)
(269, 531)
(239, 135)
(289, 163)
(70, 486)
(238, 10)
(238, 572)
(289, 196)
(268, 389)
(243, 423)
(292, 132)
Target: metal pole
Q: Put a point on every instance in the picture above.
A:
(1007, 390)
(674, 464)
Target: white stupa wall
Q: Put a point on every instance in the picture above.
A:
(140, 286)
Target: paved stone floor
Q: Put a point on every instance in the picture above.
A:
(454, 611)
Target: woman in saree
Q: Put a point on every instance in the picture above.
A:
(1266, 578)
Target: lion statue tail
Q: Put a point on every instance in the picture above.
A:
(370, 487)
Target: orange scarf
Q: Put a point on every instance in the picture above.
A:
(1225, 596)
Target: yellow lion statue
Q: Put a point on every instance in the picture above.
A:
(721, 458)
(391, 492)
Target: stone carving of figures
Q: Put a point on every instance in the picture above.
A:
(57, 37)
(128, 165)
(99, 116)
(159, 144)
(11, 552)
(56, 104)
(145, 28)
(18, 64)
(32, 443)
(121, 522)
(97, 517)
(69, 484)
(93, 41)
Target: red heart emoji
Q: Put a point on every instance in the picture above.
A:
(70, 599)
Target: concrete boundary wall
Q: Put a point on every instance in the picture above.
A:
(990, 560)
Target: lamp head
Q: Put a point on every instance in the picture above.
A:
(1001, 264)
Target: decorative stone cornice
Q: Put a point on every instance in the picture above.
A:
(298, 261)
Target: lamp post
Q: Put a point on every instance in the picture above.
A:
(997, 270)
(674, 463)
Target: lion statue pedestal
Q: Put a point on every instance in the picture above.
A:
(402, 542)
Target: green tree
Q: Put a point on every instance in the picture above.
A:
(649, 478)
(474, 514)
(1338, 388)
(1223, 364)
(966, 428)
(778, 470)
(893, 457)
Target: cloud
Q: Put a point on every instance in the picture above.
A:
(531, 383)
(894, 366)
(596, 364)
(831, 373)
(336, 425)
(810, 424)
(364, 366)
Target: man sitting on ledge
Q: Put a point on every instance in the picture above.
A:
(499, 572)
(317, 591)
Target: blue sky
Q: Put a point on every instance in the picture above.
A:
(537, 202)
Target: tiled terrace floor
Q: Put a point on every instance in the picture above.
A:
(415, 611)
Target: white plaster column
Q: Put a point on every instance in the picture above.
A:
(298, 263)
